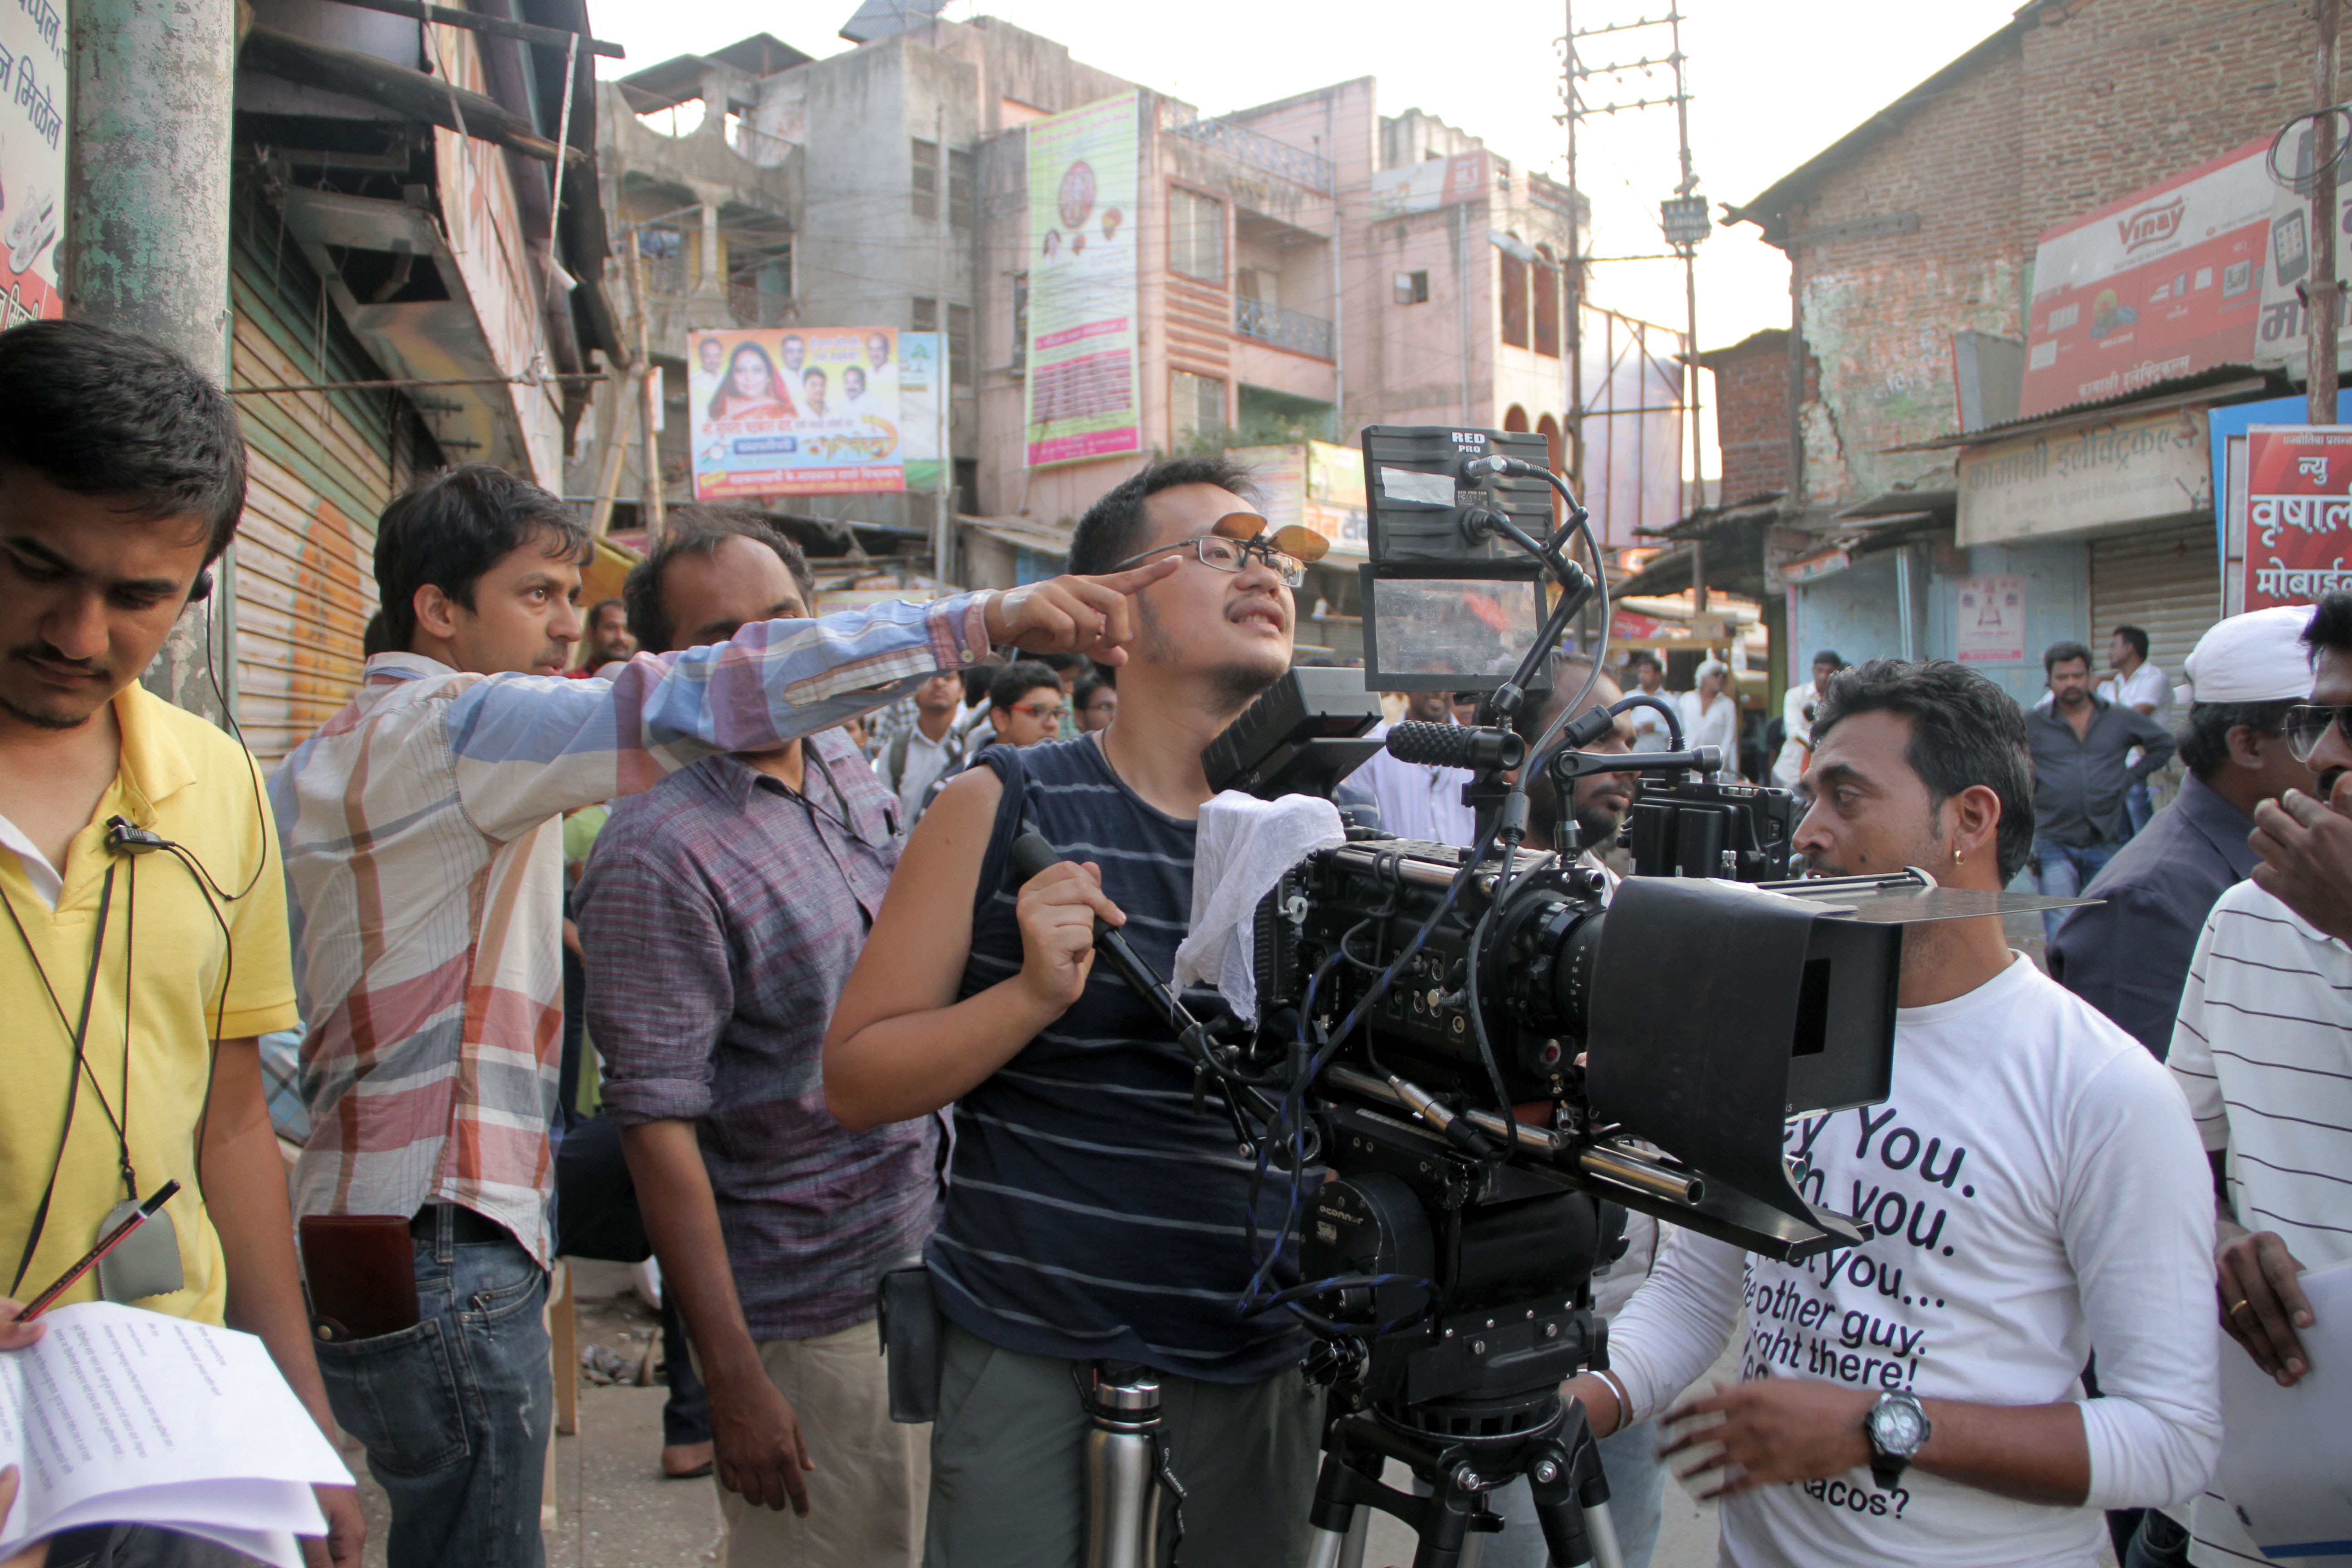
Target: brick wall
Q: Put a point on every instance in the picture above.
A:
(1751, 412)
(2075, 106)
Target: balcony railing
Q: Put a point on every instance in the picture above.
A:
(1294, 330)
(753, 307)
(1241, 143)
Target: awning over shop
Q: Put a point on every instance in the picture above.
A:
(1022, 533)
(415, 312)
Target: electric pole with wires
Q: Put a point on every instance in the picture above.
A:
(1682, 219)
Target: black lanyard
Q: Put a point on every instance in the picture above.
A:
(78, 1033)
(815, 813)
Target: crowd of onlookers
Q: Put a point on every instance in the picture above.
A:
(715, 951)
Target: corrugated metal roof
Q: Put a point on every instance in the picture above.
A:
(2235, 382)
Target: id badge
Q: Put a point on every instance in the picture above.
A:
(148, 1261)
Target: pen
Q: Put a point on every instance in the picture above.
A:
(106, 1244)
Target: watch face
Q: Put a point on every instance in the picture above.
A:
(1898, 1427)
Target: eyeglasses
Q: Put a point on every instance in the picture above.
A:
(1241, 534)
(1043, 713)
(2307, 724)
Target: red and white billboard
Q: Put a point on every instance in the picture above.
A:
(2298, 514)
(2163, 283)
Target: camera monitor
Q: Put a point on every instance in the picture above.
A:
(1450, 604)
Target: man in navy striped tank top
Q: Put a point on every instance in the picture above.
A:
(1093, 1214)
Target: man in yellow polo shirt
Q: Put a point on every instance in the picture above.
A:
(144, 943)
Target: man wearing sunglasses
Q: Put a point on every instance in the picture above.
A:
(1094, 1213)
(2260, 1050)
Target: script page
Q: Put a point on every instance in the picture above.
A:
(123, 1414)
(2282, 1463)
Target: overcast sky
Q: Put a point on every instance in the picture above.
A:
(1773, 82)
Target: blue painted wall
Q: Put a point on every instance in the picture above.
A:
(2057, 608)
(1855, 612)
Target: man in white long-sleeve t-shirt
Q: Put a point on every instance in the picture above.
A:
(2036, 1193)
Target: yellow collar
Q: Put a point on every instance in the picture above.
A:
(154, 767)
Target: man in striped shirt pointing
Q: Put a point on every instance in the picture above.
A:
(423, 862)
(2263, 1051)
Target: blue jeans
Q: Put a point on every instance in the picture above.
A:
(2063, 870)
(2138, 805)
(455, 1412)
(1637, 1482)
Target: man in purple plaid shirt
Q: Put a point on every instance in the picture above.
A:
(721, 912)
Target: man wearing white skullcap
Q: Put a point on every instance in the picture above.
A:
(2128, 955)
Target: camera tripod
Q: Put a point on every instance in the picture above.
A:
(1461, 1451)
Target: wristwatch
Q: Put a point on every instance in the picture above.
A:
(1896, 1428)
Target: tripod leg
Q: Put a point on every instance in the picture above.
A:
(1566, 1525)
(1602, 1530)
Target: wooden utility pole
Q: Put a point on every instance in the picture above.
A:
(2325, 309)
(647, 393)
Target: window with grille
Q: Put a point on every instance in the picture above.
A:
(927, 315)
(1547, 310)
(1020, 322)
(960, 344)
(1196, 236)
(1514, 301)
(1196, 404)
(925, 180)
(959, 189)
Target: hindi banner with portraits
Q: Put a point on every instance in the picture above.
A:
(795, 411)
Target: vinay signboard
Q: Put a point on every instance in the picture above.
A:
(2298, 514)
(2163, 283)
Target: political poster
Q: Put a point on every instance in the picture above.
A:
(795, 411)
(2298, 514)
(2162, 284)
(1082, 284)
(34, 75)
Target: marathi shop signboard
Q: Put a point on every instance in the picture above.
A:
(2132, 468)
(2162, 284)
(34, 75)
(797, 411)
(2298, 514)
(1082, 283)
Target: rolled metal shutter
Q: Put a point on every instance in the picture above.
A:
(2166, 581)
(321, 467)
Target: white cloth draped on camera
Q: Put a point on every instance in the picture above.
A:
(1243, 848)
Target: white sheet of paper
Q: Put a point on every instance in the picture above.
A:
(123, 1414)
(2284, 1457)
